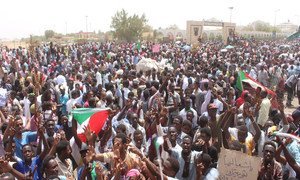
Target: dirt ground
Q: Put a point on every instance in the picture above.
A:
(289, 110)
(14, 44)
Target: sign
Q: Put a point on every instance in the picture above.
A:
(155, 48)
(235, 165)
(208, 23)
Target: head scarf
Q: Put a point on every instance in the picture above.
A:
(241, 99)
(133, 173)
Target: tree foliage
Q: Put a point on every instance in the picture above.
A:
(173, 27)
(260, 26)
(148, 28)
(49, 34)
(157, 34)
(127, 27)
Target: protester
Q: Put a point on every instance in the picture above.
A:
(98, 111)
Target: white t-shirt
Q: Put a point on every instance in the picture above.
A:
(3, 97)
(98, 78)
(213, 174)
(183, 112)
(60, 79)
(219, 105)
(170, 178)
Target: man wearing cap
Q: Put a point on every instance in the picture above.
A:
(238, 137)
(87, 170)
(211, 110)
(119, 157)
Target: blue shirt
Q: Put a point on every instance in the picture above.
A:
(27, 137)
(291, 72)
(294, 149)
(135, 59)
(23, 168)
(63, 100)
(297, 70)
(93, 172)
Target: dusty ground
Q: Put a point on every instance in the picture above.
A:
(14, 44)
(295, 104)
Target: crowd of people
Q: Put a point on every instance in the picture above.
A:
(192, 109)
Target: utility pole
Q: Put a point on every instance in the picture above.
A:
(275, 18)
(230, 8)
(86, 24)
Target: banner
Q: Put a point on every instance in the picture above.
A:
(235, 165)
(155, 48)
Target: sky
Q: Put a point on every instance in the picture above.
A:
(21, 18)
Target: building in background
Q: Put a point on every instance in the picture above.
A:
(287, 27)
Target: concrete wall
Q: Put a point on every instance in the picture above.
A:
(194, 30)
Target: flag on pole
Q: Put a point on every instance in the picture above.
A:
(138, 46)
(94, 117)
(158, 142)
(286, 135)
(244, 77)
(239, 82)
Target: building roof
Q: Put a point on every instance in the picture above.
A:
(294, 36)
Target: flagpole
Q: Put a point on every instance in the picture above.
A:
(159, 163)
(159, 142)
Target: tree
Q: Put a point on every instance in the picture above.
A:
(157, 35)
(213, 20)
(126, 27)
(33, 42)
(211, 36)
(219, 37)
(49, 34)
(148, 28)
(173, 27)
(204, 36)
(260, 26)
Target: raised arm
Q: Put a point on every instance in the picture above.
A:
(152, 167)
(52, 151)
(256, 127)
(2, 117)
(92, 156)
(160, 90)
(281, 110)
(213, 126)
(6, 167)
(225, 132)
(89, 135)
(74, 131)
(219, 144)
(43, 141)
(278, 156)
(105, 134)
(123, 112)
(10, 128)
(290, 159)
(227, 124)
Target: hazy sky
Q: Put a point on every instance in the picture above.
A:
(20, 18)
